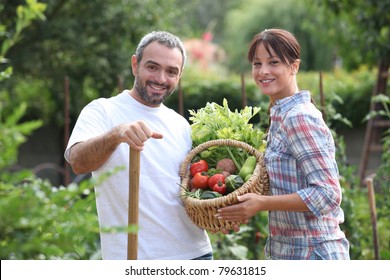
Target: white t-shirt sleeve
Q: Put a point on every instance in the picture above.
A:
(91, 122)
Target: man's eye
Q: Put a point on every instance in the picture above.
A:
(173, 73)
(152, 67)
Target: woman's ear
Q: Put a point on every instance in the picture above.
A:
(295, 66)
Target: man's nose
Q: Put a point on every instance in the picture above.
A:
(161, 76)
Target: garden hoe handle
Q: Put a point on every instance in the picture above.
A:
(134, 171)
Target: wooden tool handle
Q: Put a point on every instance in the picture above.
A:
(134, 172)
(371, 199)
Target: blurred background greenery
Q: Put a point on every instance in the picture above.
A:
(45, 44)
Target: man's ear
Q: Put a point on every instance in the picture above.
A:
(181, 73)
(134, 65)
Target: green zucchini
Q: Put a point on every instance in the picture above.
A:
(248, 167)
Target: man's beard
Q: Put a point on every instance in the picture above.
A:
(155, 99)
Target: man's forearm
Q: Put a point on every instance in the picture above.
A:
(89, 155)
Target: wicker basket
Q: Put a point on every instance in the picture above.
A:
(202, 212)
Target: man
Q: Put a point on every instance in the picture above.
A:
(138, 118)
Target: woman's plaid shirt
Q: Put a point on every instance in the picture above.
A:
(300, 158)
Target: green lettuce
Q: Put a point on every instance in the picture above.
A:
(214, 122)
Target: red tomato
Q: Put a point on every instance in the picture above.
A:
(199, 166)
(199, 181)
(220, 188)
(215, 179)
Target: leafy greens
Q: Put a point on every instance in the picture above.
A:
(218, 122)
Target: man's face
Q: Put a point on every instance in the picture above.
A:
(157, 74)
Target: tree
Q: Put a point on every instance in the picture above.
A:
(12, 132)
(361, 28)
(253, 16)
(91, 42)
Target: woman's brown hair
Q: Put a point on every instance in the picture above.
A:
(282, 42)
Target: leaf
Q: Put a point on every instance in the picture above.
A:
(219, 122)
(239, 251)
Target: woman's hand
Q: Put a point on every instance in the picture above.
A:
(249, 204)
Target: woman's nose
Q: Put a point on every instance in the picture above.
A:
(263, 70)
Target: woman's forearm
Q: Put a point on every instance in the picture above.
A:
(288, 202)
(250, 204)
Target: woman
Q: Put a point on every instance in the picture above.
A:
(305, 195)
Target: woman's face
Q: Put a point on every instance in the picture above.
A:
(272, 76)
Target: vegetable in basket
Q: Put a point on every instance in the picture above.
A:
(233, 182)
(215, 179)
(220, 188)
(247, 169)
(214, 122)
(226, 164)
(209, 195)
(199, 166)
(200, 180)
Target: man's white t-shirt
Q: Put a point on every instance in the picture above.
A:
(165, 231)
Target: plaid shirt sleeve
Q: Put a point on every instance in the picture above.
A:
(311, 143)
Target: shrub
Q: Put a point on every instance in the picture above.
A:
(39, 221)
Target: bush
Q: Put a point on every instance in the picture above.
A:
(39, 221)
(247, 244)
(382, 182)
(42, 222)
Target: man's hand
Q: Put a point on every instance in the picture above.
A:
(136, 134)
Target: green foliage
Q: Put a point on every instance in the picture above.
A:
(204, 15)
(382, 180)
(13, 134)
(38, 221)
(91, 42)
(360, 28)
(25, 16)
(300, 18)
(34, 92)
(357, 225)
(5, 74)
(247, 244)
(219, 122)
(348, 92)
(44, 222)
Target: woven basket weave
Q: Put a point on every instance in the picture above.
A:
(202, 212)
